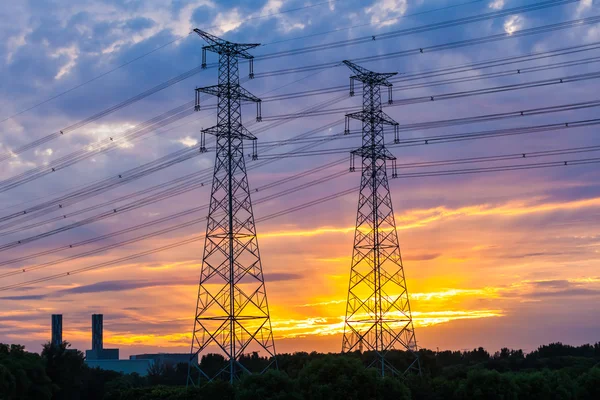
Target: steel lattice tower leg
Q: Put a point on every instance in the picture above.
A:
(378, 316)
(232, 314)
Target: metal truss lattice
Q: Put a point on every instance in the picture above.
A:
(232, 314)
(378, 317)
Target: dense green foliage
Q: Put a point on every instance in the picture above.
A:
(551, 372)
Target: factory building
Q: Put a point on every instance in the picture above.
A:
(166, 359)
(98, 352)
(108, 359)
(56, 330)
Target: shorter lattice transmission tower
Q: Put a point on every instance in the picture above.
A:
(378, 316)
(232, 315)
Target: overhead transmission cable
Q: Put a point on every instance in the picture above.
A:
(156, 233)
(329, 102)
(486, 64)
(298, 208)
(131, 61)
(445, 46)
(475, 119)
(419, 29)
(470, 160)
(444, 138)
(185, 75)
(420, 85)
(96, 189)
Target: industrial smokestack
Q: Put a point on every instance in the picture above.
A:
(56, 330)
(97, 342)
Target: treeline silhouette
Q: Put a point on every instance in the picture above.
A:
(554, 371)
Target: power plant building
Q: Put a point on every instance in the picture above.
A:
(56, 330)
(98, 352)
(108, 359)
(166, 359)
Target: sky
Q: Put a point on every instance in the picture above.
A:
(498, 259)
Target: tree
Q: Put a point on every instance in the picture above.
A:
(482, 384)
(64, 367)
(589, 384)
(272, 385)
(27, 369)
(8, 385)
(345, 378)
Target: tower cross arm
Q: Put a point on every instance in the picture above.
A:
(222, 46)
(238, 131)
(234, 91)
(380, 153)
(378, 117)
(386, 119)
(246, 95)
(212, 90)
(369, 77)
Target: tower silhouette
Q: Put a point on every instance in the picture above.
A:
(232, 314)
(378, 316)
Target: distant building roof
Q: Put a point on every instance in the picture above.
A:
(124, 366)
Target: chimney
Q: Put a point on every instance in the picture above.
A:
(97, 343)
(56, 330)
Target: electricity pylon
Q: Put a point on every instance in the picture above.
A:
(232, 314)
(378, 316)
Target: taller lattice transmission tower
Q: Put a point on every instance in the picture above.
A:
(232, 314)
(378, 316)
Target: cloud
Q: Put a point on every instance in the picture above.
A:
(131, 285)
(559, 283)
(285, 23)
(496, 4)
(385, 12)
(567, 293)
(13, 44)
(26, 297)
(281, 276)
(227, 21)
(45, 152)
(583, 6)
(513, 23)
(422, 257)
(70, 54)
(100, 287)
(188, 141)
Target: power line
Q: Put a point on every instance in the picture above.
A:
(497, 74)
(445, 96)
(91, 80)
(490, 117)
(419, 29)
(187, 212)
(372, 23)
(150, 234)
(100, 147)
(183, 185)
(445, 46)
(193, 71)
(177, 39)
(304, 206)
(494, 158)
(329, 102)
(446, 138)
